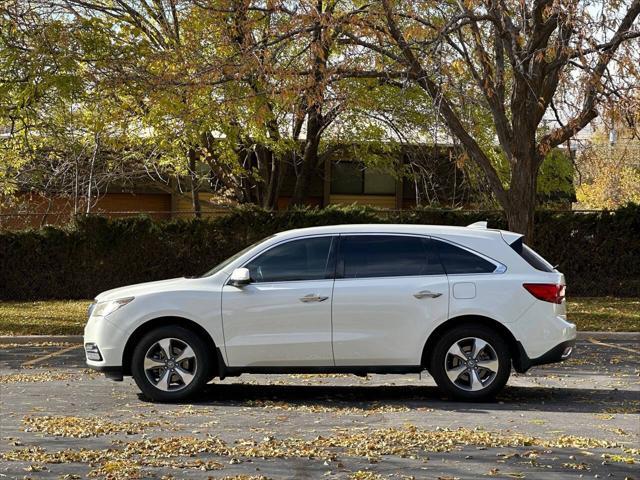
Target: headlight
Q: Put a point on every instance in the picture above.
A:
(102, 309)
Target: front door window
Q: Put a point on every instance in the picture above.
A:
(305, 259)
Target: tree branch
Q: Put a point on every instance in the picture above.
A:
(451, 119)
(588, 111)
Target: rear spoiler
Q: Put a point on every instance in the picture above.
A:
(511, 237)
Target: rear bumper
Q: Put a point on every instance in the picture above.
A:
(559, 353)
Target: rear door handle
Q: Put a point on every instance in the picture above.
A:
(312, 297)
(427, 294)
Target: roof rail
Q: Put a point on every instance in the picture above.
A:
(482, 225)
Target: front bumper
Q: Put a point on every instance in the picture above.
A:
(104, 343)
(559, 353)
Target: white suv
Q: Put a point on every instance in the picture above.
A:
(464, 303)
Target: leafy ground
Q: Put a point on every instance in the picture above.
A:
(606, 314)
(53, 317)
(67, 317)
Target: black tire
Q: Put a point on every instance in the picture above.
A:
(198, 365)
(491, 382)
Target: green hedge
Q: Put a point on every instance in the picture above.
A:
(598, 252)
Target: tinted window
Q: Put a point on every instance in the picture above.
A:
(457, 260)
(531, 257)
(385, 256)
(304, 259)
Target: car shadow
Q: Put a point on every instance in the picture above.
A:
(413, 397)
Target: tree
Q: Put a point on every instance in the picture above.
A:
(31, 81)
(609, 174)
(254, 93)
(301, 79)
(246, 89)
(154, 50)
(542, 70)
(67, 135)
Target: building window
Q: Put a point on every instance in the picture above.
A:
(353, 178)
(378, 183)
(346, 178)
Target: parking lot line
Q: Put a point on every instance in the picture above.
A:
(50, 355)
(627, 349)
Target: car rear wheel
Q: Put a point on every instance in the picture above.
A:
(471, 363)
(170, 364)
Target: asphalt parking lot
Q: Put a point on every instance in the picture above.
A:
(580, 419)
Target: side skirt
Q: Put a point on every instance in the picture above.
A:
(225, 371)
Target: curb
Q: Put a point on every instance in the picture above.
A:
(26, 339)
(609, 335)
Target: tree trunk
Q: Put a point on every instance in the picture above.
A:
(91, 166)
(309, 158)
(275, 165)
(521, 208)
(269, 172)
(193, 178)
(271, 195)
(520, 218)
(282, 175)
(315, 98)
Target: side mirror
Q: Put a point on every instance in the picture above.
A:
(240, 277)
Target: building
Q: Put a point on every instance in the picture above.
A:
(420, 175)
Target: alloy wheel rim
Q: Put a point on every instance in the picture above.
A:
(471, 364)
(170, 364)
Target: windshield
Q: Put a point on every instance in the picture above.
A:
(232, 258)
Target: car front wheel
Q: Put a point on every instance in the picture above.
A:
(170, 364)
(471, 363)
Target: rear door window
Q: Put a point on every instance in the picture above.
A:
(456, 260)
(367, 256)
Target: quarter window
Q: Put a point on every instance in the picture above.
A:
(531, 256)
(304, 259)
(365, 256)
(457, 260)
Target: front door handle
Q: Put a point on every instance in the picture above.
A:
(427, 294)
(312, 297)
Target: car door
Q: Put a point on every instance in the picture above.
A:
(283, 317)
(389, 293)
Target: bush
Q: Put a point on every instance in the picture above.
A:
(598, 252)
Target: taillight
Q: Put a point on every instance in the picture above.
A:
(547, 292)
